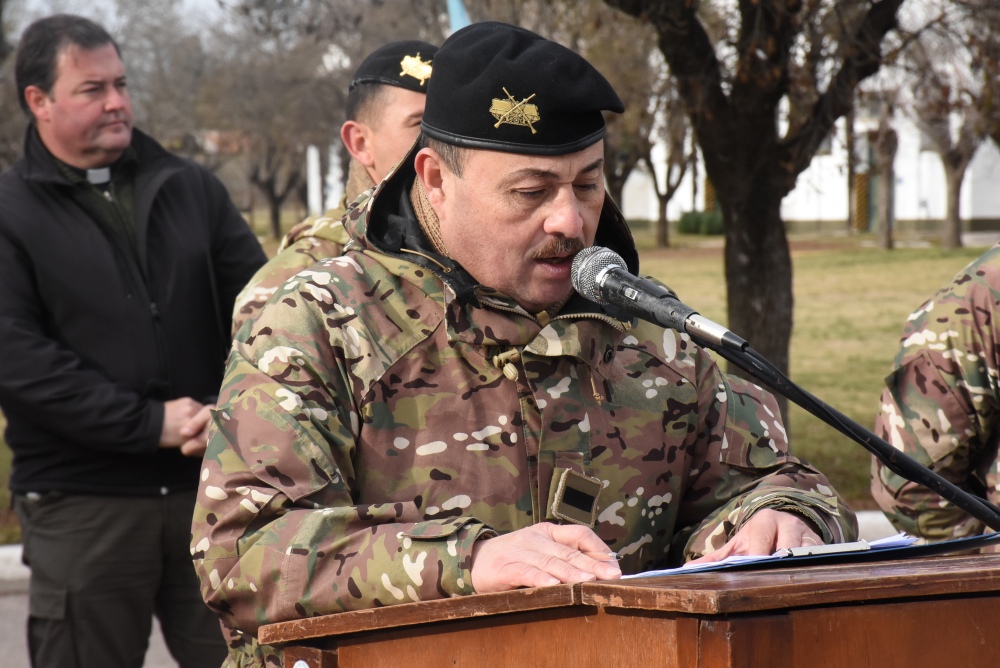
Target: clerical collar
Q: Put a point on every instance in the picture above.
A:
(99, 176)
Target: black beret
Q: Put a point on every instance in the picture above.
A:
(405, 64)
(500, 87)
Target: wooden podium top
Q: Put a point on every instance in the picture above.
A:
(709, 593)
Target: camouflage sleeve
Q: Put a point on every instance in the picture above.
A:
(743, 465)
(940, 405)
(276, 533)
(312, 240)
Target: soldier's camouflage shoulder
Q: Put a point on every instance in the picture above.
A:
(313, 239)
(940, 404)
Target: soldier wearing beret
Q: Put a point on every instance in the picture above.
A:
(941, 404)
(385, 102)
(437, 413)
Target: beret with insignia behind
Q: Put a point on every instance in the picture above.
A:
(405, 64)
(503, 88)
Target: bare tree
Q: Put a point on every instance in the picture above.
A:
(885, 142)
(763, 95)
(675, 133)
(622, 49)
(947, 99)
(166, 66)
(983, 38)
(6, 48)
(12, 120)
(341, 33)
(275, 99)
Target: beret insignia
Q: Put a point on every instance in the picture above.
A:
(414, 67)
(515, 113)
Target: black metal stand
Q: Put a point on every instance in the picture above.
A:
(738, 352)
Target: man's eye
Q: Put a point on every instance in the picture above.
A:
(531, 194)
(591, 187)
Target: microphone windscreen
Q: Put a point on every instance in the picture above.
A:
(587, 266)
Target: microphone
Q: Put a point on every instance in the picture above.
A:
(601, 275)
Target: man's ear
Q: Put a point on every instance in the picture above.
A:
(357, 139)
(434, 175)
(38, 102)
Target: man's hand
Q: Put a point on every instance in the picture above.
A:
(185, 426)
(765, 533)
(540, 555)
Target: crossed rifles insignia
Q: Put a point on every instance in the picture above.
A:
(416, 68)
(515, 113)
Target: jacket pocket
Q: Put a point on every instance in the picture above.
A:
(47, 602)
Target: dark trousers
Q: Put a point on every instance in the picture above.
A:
(101, 567)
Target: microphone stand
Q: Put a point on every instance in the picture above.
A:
(737, 351)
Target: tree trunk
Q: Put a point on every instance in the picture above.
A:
(616, 189)
(887, 176)
(851, 167)
(759, 277)
(886, 143)
(662, 224)
(274, 207)
(951, 233)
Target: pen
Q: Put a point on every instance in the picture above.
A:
(604, 556)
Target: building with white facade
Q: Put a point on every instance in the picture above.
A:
(820, 201)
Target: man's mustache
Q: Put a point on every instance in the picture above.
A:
(558, 247)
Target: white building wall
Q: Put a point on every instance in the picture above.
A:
(640, 198)
(920, 192)
(821, 193)
(982, 184)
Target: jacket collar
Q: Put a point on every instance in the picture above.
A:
(38, 164)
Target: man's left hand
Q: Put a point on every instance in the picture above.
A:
(765, 533)
(196, 432)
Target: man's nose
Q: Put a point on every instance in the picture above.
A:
(117, 99)
(565, 218)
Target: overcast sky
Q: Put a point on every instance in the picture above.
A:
(22, 12)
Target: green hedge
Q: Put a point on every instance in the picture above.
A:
(701, 222)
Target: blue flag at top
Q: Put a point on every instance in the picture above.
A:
(457, 15)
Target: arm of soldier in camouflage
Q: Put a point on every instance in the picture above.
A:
(280, 535)
(743, 466)
(940, 404)
(315, 497)
(315, 238)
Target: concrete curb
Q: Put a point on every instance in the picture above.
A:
(13, 574)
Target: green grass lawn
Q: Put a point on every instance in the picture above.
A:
(850, 304)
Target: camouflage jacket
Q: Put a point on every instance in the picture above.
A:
(313, 239)
(941, 404)
(384, 412)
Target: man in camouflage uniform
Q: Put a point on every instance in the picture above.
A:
(385, 102)
(941, 404)
(437, 413)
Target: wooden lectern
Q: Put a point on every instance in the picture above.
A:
(937, 611)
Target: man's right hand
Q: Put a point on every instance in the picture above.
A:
(179, 417)
(540, 555)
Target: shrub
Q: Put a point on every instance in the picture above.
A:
(701, 222)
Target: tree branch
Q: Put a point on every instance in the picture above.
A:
(862, 58)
